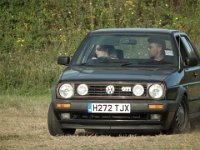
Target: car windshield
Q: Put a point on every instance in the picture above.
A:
(138, 50)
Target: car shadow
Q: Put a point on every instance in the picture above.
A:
(115, 133)
(195, 127)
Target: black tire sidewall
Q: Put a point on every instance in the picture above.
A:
(53, 123)
(185, 125)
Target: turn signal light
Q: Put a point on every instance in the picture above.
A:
(155, 106)
(63, 105)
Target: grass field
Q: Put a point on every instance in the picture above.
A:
(23, 126)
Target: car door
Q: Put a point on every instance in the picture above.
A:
(192, 75)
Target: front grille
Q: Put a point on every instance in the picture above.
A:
(99, 90)
(96, 90)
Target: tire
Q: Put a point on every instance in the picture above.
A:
(54, 125)
(181, 122)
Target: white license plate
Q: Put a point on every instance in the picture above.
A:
(109, 108)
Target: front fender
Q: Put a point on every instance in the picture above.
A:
(53, 94)
(180, 93)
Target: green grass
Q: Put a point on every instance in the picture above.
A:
(18, 101)
(34, 33)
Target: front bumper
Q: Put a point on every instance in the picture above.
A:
(138, 119)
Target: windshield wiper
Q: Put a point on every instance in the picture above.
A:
(138, 65)
(84, 64)
(130, 64)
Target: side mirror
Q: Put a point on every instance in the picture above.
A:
(63, 60)
(191, 62)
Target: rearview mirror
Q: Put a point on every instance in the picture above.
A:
(128, 41)
(63, 60)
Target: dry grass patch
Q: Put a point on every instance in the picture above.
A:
(23, 125)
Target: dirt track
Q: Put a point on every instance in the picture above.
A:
(24, 126)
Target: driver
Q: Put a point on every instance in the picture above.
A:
(156, 49)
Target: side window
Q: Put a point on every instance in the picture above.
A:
(182, 48)
(186, 48)
(189, 49)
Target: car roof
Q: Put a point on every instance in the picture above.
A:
(134, 30)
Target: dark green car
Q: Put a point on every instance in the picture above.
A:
(128, 79)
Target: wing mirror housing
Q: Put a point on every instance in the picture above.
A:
(63, 60)
(191, 62)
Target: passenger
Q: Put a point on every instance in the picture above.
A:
(106, 51)
(101, 51)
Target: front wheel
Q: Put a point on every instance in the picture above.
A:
(54, 125)
(181, 121)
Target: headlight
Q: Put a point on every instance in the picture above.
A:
(66, 90)
(138, 90)
(82, 89)
(156, 91)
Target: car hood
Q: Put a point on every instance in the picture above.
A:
(115, 74)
